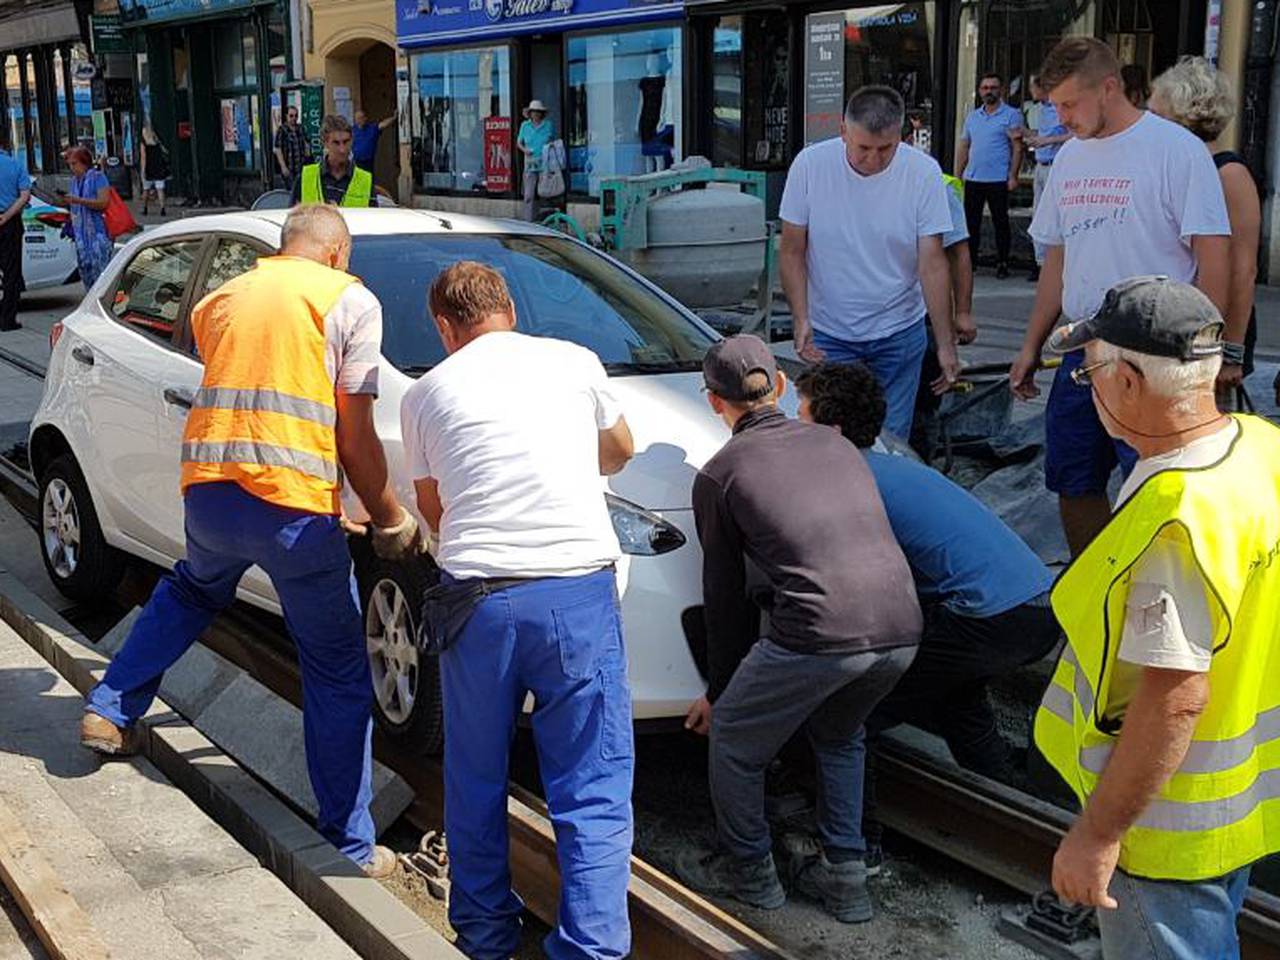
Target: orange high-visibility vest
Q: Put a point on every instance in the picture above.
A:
(265, 415)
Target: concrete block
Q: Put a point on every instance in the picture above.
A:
(272, 746)
(109, 643)
(33, 694)
(196, 680)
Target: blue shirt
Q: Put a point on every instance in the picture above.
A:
(13, 180)
(364, 142)
(959, 231)
(990, 148)
(961, 554)
(1049, 127)
(535, 138)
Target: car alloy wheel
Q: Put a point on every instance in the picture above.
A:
(61, 528)
(393, 653)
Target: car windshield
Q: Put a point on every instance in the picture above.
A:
(561, 289)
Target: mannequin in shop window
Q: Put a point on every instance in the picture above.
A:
(657, 133)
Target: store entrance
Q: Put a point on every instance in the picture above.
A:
(361, 75)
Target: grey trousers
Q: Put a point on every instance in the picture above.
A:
(530, 192)
(1037, 189)
(773, 692)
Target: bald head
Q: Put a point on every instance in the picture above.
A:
(316, 232)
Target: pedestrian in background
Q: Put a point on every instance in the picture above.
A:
(15, 191)
(506, 441)
(1130, 194)
(292, 148)
(843, 627)
(1198, 95)
(335, 178)
(535, 133)
(88, 198)
(1048, 136)
(291, 351)
(155, 168)
(862, 262)
(988, 157)
(1159, 712)
(364, 139)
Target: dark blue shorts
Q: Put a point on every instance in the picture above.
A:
(1079, 453)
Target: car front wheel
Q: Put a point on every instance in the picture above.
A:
(406, 681)
(76, 555)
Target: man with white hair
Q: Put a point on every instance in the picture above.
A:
(1160, 714)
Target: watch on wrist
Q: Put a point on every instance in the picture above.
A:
(1232, 353)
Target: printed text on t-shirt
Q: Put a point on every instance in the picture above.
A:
(1109, 198)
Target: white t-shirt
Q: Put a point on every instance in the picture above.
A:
(1170, 617)
(509, 428)
(1128, 205)
(864, 232)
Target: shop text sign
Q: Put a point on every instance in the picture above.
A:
(497, 154)
(443, 21)
(823, 76)
(132, 11)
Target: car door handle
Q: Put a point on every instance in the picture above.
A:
(179, 398)
(83, 354)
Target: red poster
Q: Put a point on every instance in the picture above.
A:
(497, 154)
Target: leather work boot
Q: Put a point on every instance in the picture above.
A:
(840, 887)
(381, 865)
(754, 882)
(102, 736)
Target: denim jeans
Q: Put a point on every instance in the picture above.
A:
(1172, 920)
(895, 360)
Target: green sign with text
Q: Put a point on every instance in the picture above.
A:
(108, 34)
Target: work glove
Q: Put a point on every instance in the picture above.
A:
(400, 541)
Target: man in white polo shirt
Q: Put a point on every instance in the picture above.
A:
(862, 223)
(507, 440)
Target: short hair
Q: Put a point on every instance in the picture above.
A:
(80, 154)
(875, 109)
(992, 75)
(334, 123)
(1180, 382)
(1197, 95)
(1134, 78)
(846, 396)
(313, 226)
(467, 292)
(1084, 57)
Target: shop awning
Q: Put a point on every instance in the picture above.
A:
(22, 25)
(143, 13)
(429, 22)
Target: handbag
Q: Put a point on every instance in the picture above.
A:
(551, 177)
(117, 217)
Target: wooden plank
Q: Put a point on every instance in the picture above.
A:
(62, 927)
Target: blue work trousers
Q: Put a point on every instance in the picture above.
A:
(306, 557)
(561, 640)
(895, 360)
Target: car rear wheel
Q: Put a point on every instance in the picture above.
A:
(76, 555)
(406, 681)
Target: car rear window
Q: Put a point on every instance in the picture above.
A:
(561, 289)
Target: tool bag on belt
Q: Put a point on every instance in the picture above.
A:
(447, 607)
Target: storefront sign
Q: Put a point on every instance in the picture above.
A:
(423, 22)
(497, 154)
(824, 76)
(108, 35)
(152, 11)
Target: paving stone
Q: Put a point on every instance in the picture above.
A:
(109, 643)
(25, 678)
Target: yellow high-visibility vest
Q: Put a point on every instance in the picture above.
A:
(265, 414)
(357, 194)
(1221, 809)
(956, 185)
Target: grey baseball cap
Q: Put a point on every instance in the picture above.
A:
(1152, 315)
(728, 363)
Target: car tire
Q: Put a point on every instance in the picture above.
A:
(407, 703)
(76, 555)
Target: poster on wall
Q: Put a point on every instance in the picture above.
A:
(230, 132)
(497, 154)
(823, 76)
(100, 133)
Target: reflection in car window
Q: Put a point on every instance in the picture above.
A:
(561, 289)
(151, 288)
(232, 258)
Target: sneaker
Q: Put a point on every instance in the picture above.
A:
(381, 865)
(102, 736)
(754, 882)
(841, 888)
(1002, 271)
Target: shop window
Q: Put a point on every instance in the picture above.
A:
(1016, 41)
(726, 92)
(239, 131)
(463, 120)
(228, 54)
(624, 105)
(751, 121)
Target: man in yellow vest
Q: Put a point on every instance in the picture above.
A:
(291, 352)
(335, 178)
(1161, 714)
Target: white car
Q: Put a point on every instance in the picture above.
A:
(48, 258)
(104, 444)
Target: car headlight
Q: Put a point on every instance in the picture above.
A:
(641, 532)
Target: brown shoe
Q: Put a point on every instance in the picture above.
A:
(102, 736)
(381, 865)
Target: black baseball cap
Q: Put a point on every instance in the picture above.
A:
(730, 362)
(1152, 315)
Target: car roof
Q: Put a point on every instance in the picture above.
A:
(385, 221)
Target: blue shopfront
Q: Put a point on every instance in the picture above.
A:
(610, 72)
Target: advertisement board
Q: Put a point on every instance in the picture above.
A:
(497, 154)
(823, 76)
(423, 22)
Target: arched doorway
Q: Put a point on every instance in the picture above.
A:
(365, 69)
